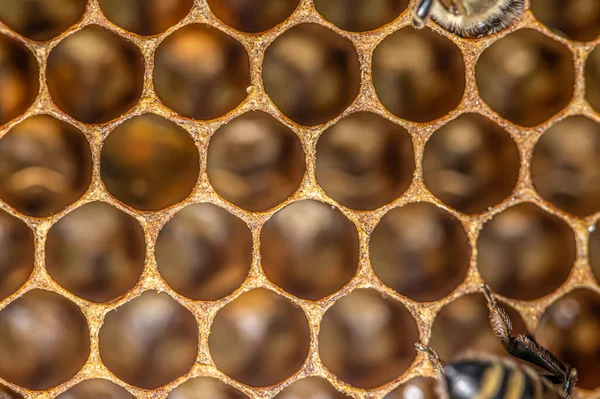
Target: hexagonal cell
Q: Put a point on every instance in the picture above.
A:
(41, 19)
(311, 73)
(45, 166)
(526, 77)
(205, 388)
(204, 252)
(95, 75)
(566, 165)
(418, 75)
(415, 388)
(574, 19)
(309, 249)
(16, 253)
(252, 15)
(255, 162)
(200, 72)
(592, 78)
(145, 17)
(471, 164)
(149, 163)
(525, 253)
(96, 252)
(569, 328)
(7, 393)
(464, 325)
(96, 389)
(149, 341)
(360, 15)
(420, 251)
(311, 387)
(380, 331)
(19, 84)
(259, 339)
(44, 340)
(365, 161)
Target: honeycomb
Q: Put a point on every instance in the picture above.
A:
(254, 198)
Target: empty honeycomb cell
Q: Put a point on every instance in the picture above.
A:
(145, 17)
(252, 15)
(96, 252)
(415, 388)
(7, 393)
(380, 332)
(95, 75)
(205, 388)
(569, 328)
(45, 166)
(41, 19)
(565, 167)
(311, 74)
(19, 84)
(471, 164)
(44, 340)
(259, 339)
(526, 77)
(149, 341)
(420, 251)
(200, 72)
(96, 389)
(204, 252)
(16, 253)
(255, 161)
(463, 325)
(311, 388)
(360, 15)
(594, 250)
(592, 78)
(149, 163)
(365, 161)
(418, 75)
(310, 249)
(574, 19)
(525, 253)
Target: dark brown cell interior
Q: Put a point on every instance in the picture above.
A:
(594, 250)
(45, 166)
(575, 19)
(149, 341)
(259, 339)
(204, 252)
(16, 253)
(569, 328)
(360, 15)
(418, 75)
(565, 167)
(201, 72)
(19, 82)
(96, 389)
(149, 163)
(145, 17)
(96, 252)
(310, 249)
(7, 393)
(526, 77)
(95, 75)
(365, 161)
(252, 15)
(471, 164)
(525, 252)
(592, 79)
(255, 161)
(421, 251)
(205, 388)
(415, 388)
(367, 321)
(44, 340)
(41, 19)
(311, 387)
(311, 74)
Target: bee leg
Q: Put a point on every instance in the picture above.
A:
(421, 13)
(499, 319)
(438, 365)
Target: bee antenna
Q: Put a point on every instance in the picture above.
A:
(421, 13)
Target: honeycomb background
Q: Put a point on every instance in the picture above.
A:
(141, 145)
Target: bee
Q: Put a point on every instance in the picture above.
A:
(489, 377)
(468, 18)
